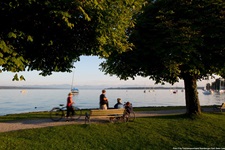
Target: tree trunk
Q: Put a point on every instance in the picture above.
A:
(191, 95)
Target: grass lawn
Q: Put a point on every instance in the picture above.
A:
(152, 133)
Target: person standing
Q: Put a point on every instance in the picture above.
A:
(69, 106)
(103, 100)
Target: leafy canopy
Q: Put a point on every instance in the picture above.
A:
(174, 38)
(51, 35)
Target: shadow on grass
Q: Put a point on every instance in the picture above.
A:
(179, 116)
(186, 116)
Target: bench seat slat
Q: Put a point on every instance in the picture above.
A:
(107, 112)
(99, 113)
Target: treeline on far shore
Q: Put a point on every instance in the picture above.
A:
(149, 88)
(27, 87)
(111, 88)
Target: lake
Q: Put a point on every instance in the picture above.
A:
(17, 101)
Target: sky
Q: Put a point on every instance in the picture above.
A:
(86, 73)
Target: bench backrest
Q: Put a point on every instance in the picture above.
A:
(107, 112)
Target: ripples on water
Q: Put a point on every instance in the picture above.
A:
(17, 101)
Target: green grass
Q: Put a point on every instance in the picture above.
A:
(161, 132)
(30, 115)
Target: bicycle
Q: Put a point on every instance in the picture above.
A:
(129, 114)
(57, 113)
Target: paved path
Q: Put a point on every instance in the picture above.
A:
(41, 123)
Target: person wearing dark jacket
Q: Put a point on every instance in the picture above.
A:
(118, 105)
(103, 100)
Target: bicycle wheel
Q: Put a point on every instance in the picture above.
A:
(126, 117)
(77, 113)
(131, 116)
(56, 114)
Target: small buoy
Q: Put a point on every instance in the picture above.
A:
(23, 91)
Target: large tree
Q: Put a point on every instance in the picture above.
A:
(50, 35)
(175, 39)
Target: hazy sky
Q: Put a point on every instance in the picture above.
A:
(86, 73)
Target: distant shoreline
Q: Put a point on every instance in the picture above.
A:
(111, 88)
(26, 87)
(148, 88)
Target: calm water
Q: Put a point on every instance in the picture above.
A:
(15, 101)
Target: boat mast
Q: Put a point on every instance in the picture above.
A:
(72, 81)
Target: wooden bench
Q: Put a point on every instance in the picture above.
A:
(109, 113)
(220, 107)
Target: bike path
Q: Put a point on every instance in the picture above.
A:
(41, 123)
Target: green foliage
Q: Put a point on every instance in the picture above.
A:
(174, 38)
(51, 35)
(113, 30)
(165, 132)
(16, 78)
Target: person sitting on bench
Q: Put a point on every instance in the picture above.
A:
(118, 105)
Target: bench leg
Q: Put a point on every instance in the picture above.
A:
(116, 119)
(87, 118)
(110, 119)
(120, 119)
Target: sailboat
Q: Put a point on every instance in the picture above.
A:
(74, 90)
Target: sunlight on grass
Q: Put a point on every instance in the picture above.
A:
(161, 132)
